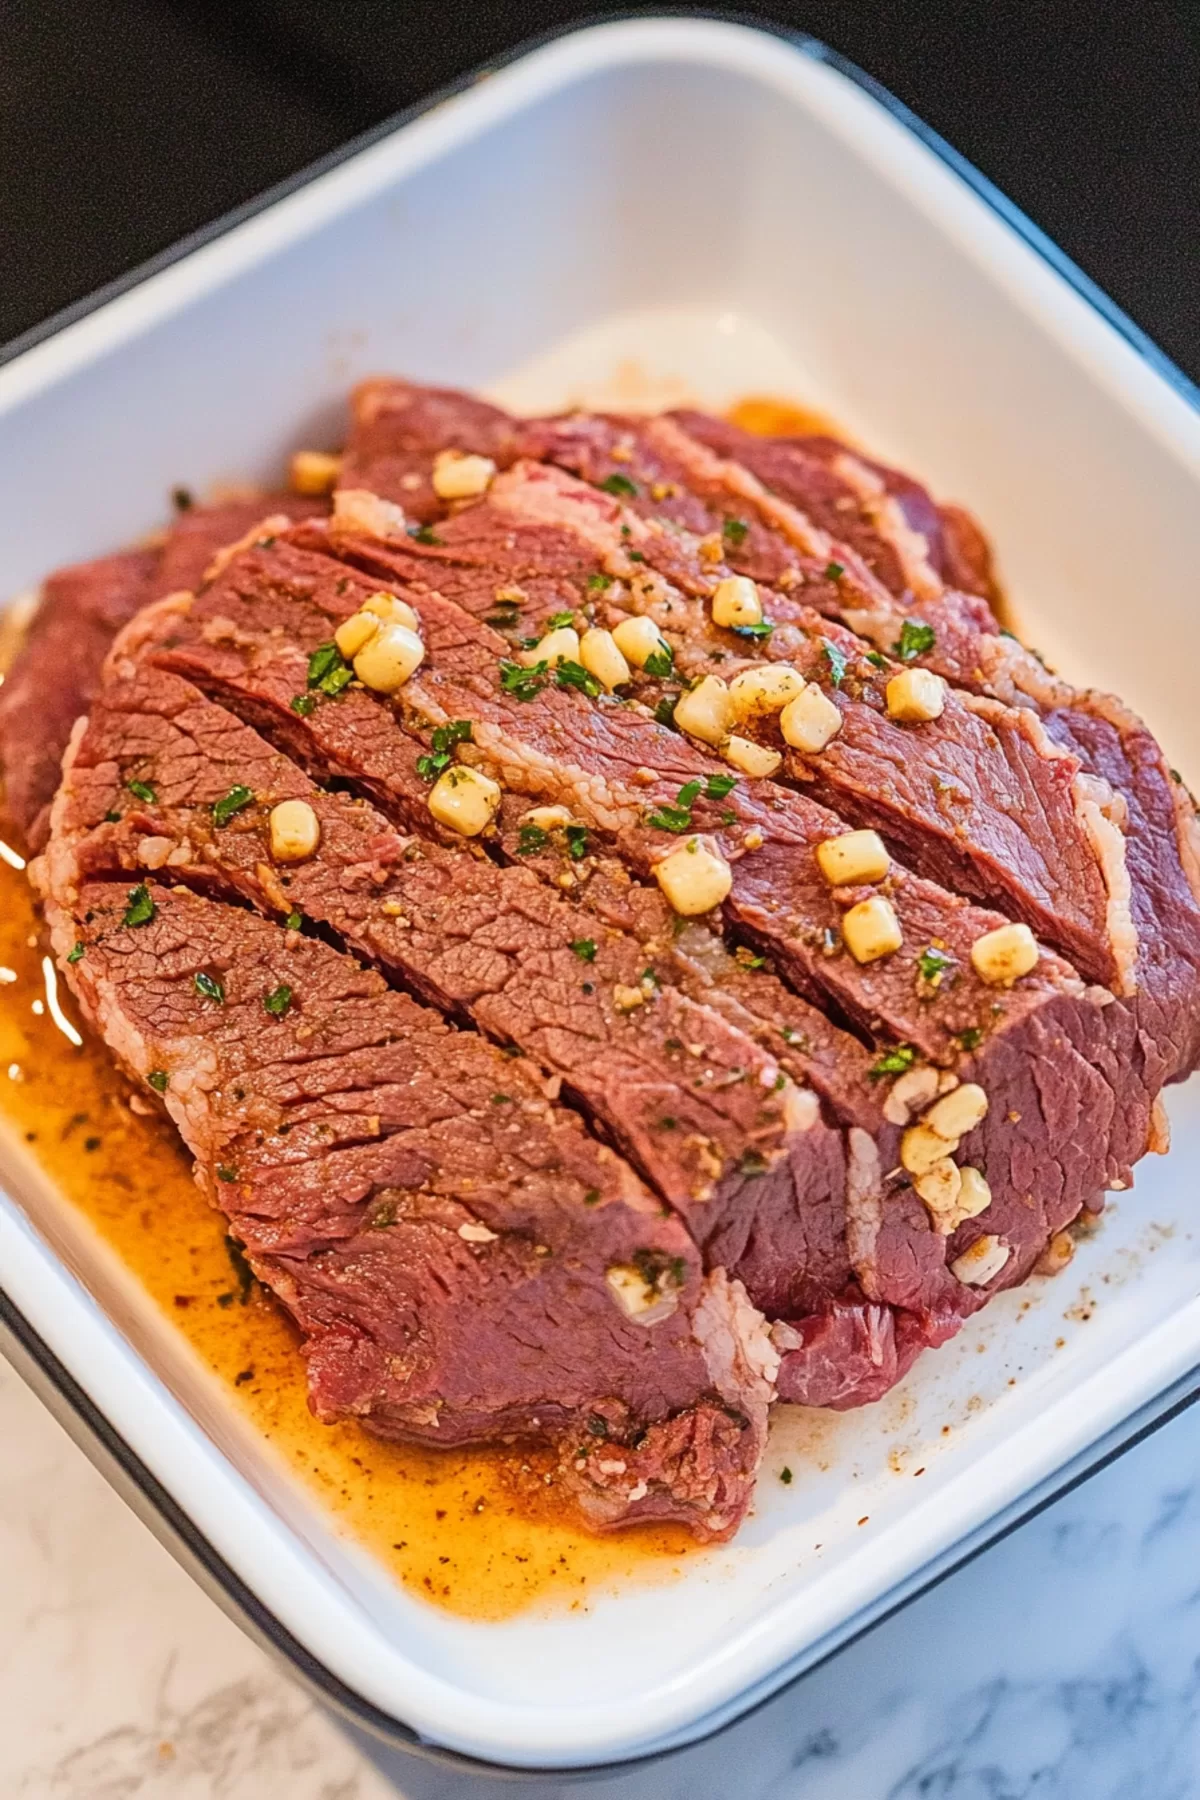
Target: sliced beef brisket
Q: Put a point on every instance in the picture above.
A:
(1056, 1071)
(464, 1261)
(57, 669)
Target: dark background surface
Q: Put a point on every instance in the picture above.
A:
(126, 123)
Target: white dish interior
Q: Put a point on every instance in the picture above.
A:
(648, 210)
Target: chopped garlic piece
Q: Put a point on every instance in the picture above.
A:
(457, 476)
(916, 696)
(464, 799)
(355, 633)
(639, 639)
(703, 712)
(871, 930)
(766, 689)
(755, 760)
(388, 659)
(939, 1187)
(735, 601)
(810, 721)
(957, 1112)
(921, 1148)
(982, 1262)
(391, 609)
(639, 1299)
(314, 472)
(694, 878)
(1004, 955)
(600, 656)
(853, 857)
(295, 831)
(558, 646)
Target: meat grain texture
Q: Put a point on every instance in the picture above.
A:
(529, 1152)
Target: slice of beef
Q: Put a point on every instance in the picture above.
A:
(55, 674)
(979, 799)
(1069, 1108)
(465, 1262)
(398, 427)
(699, 1102)
(697, 478)
(706, 1112)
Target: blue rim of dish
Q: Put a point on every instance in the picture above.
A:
(34, 1358)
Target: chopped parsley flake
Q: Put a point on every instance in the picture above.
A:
(915, 640)
(294, 921)
(77, 953)
(837, 661)
(225, 1173)
(159, 1080)
(619, 484)
(933, 964)
(878, 658)
(324, 659)
(834, 571)
(971, 1038)
(140, 908)
(635, 556)
(278, 1001)
(423, 534)
(584, 948)
(209, 987)
(304, 704)
(597, 583)
(785, 1475)
(558, 620)
(522, 682)
(717, 786)
(458, 731)
(502, 1099)
(661, 662)
(677, 817)
(112, 818)
(141, 790)
(664, 712)
(577, 842)
(893, 1062)
(531, 839)
(231, 803)
(570, 674)
(762, 629)
(735, 532)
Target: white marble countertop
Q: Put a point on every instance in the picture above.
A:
(1062, 1665)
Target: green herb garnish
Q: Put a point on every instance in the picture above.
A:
(521, 682)
(141, 790)
(971, 1038)
(735, 532)
(664, 712)
(294, 921)
(893, 1062)
(209, 987)
(558, 620)
(596, 583)
(717, 786)
(619, 484)
(785, 1475)
(762, 629)
(278, 1001)
(570, 674)
(423, 534)
(836, 659)
(878, 658)
(77, 953)
(584, 948)
(577, 842)
(834, 571)
(661, 662)
(159, 1080)
(231, 803)
(915, 640)
(531, 839)
(140, 909)
(458, 731)
(304, 704)
(933, 964)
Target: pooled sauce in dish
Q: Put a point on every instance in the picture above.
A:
(477, 1531)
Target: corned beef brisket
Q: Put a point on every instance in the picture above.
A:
(536, 1135)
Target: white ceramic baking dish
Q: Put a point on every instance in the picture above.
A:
(647, 208)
